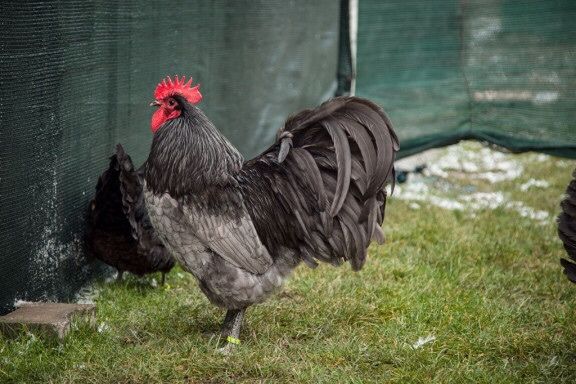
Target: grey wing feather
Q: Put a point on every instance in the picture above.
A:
(233, 238)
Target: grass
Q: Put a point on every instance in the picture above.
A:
(486, 284)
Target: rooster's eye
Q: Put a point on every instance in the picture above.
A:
(171, 102)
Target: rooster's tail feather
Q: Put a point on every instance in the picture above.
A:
(342, 151)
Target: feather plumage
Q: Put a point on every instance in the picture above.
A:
(316, 195)
(567, 229)
(120, 232)
(325, 198)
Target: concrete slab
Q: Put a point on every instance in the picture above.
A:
(49, 319)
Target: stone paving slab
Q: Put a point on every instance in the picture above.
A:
(50, 319)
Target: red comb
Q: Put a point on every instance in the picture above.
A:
(169, 87)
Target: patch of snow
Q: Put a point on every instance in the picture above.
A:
(541, 157)
(476, 202)
(423, 341)
(446, 203)
(412, 190)
(484, 164)
(419, 159)
(528, 212)
(534, 183)
(484, 200)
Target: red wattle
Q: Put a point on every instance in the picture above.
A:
(161, 116)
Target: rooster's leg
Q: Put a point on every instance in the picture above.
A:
(227, 324)
(231, 328)
(119, 275)
(163, 278)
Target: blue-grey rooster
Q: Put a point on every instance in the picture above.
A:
(240, 227)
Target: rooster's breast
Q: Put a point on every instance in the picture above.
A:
(225, 284)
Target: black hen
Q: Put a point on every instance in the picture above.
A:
(317, 194)
(567, 229)
(120, 232)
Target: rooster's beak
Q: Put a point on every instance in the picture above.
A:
(155, 103)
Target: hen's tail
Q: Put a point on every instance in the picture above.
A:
(132, 192)
(118, 207)
(339, 155)
(567, 229)
(107, 209)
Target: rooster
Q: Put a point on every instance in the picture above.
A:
(317, 194)
(567, 229)
(120, 232)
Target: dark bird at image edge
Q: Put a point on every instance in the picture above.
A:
(567, 229)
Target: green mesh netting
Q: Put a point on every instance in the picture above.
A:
(76, 77)
(496, 70)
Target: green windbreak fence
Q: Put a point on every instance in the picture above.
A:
(76, 77)
(503, 71)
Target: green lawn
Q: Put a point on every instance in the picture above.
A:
(483, 280)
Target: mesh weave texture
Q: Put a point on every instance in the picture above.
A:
(496, 70)
(76, 77)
